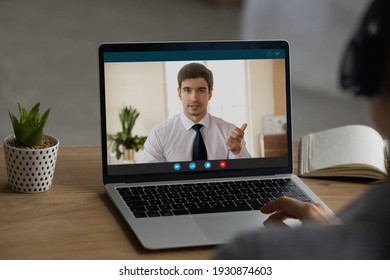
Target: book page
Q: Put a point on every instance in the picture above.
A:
(352, 144)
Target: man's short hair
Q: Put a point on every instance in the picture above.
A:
(193, 71)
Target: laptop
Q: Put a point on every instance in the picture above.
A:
(184, 203)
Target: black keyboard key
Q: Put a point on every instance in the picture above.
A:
(180, 200)
(198, 194)
(155, 202)
(247, 191)
(178, 206)
(192, 199)
(147, 197)
(136, 203)
(228, 203)
(215, 204)
(267, 190)
(124, 191)
(140, 214)
(205, 199)
(241, 196)
(264, 201)
(190, 205)
(282, 189)
(297, 190)
(255, 205)
(218, 198)
(166, 213)
(241, 203)
(138, 209)
(254, 195)
(235, 191)
(137, 192)
(167, 201)
(277, 194)
(165, 207)
(229, 197)
(203, 205)
(152, 208)
(150, 191)
(164, 190)
(187, 189)
(210, 193)
(173, 195)
(222, 192)
(132, 197)
(266, 195)
(201, 188)
(161, 196)
(290, 194)
(184, 195)
(153, 214)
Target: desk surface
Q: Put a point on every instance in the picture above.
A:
(75, 219)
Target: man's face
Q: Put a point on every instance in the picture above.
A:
(194, 95)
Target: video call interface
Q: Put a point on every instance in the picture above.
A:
(249, 87)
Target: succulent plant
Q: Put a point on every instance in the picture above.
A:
(28, 128)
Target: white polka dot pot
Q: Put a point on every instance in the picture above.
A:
(30, 170)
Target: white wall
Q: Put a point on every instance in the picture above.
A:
(127, 84)
(261, 97)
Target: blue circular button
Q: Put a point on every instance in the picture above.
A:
(207, 165)
(192, 165)
(176, 166)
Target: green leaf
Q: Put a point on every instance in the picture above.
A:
(29, 128)
(125, 139)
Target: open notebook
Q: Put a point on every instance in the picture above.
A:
(180, 202)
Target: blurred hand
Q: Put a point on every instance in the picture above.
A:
(284, 208)
(234, 139)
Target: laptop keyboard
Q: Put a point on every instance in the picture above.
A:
(201, 198)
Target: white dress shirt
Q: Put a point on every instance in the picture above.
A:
(173, 140)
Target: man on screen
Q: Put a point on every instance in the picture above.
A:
(194, 134)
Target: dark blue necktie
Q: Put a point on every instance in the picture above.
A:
(199, 151)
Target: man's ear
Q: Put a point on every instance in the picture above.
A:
(179, 92)
(210, 94)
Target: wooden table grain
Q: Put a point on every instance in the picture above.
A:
(75, 219)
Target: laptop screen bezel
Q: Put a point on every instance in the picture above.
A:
(192, 46)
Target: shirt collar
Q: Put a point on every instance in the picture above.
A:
(189, 123)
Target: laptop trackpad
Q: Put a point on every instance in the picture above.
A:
(221, 227)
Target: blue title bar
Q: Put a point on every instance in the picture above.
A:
(193, 55)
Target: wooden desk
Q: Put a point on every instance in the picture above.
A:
(76, 219)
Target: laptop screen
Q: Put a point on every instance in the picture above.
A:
(152, 94)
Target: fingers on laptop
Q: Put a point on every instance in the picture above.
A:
(284, 208)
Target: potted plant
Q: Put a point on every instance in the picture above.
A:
(124, 142)
(30, 155)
